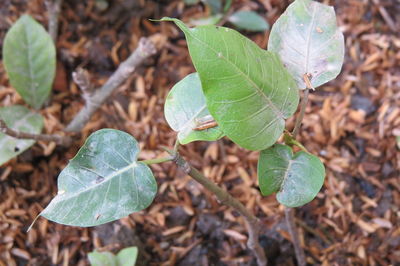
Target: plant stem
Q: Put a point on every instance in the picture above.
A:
(53, 8)
(60, 140)
(157, 160)
(289, 212)
(300, 256)
(252, 222)
(145, 49)
(300, 117)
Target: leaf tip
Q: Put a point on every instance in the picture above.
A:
(33, 223)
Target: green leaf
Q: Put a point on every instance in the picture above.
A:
(211, 20)
(127, 256)
(309, 42)
(103, 182)
(215, 5)
(191, 2)
(228, 4)
(102, 259)
(247, 89)
(30, 60)
(185, 109)
(248, 20)
(297, 178)
(20, 119)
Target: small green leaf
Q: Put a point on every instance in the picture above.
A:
(127, 256)
(185, 109)
(248, 20)
(297, 179)
(228, 4)
(309, 42)
(191, 2)
(102, 259)
(29, 58)
(21, 119)
(248, 91)
(215, 5)
(103, 182)
(211, 20)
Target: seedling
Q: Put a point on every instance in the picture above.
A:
(29, 58)
(221, 12)
(239, 91)
(125, 257)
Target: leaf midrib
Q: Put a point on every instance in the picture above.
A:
(107, 179)
(310, 30)
(258, 89)
(29, 61)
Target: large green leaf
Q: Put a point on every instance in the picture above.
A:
(309, 42)
(21, 119)
(248, 20)
(247, 89)
(30, 60)
(103, 182)
(296, 178)
(185, 109)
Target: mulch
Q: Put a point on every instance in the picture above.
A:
(351, 123)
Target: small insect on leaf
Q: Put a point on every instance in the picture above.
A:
(206, 125)
(307, 80)
(97, 216)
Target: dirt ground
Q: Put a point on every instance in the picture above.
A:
(351, 124)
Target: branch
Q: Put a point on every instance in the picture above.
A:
(144, 50)
(53, 8)
(252, 222)
(60, 140)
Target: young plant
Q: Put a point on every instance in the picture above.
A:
(221, 12)
(239, 91)
(29, 58)
(125, 257)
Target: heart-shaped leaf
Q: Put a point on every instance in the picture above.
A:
(309, 42)
(247, 89)
(21, 119)
(248, 20)
(185, 110)
(297, 178)
(29, 58)
(103, 182)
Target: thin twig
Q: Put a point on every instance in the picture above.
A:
(144, 50)
(252, 222)
(385, 15)
(53, 8)
(60, 140)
